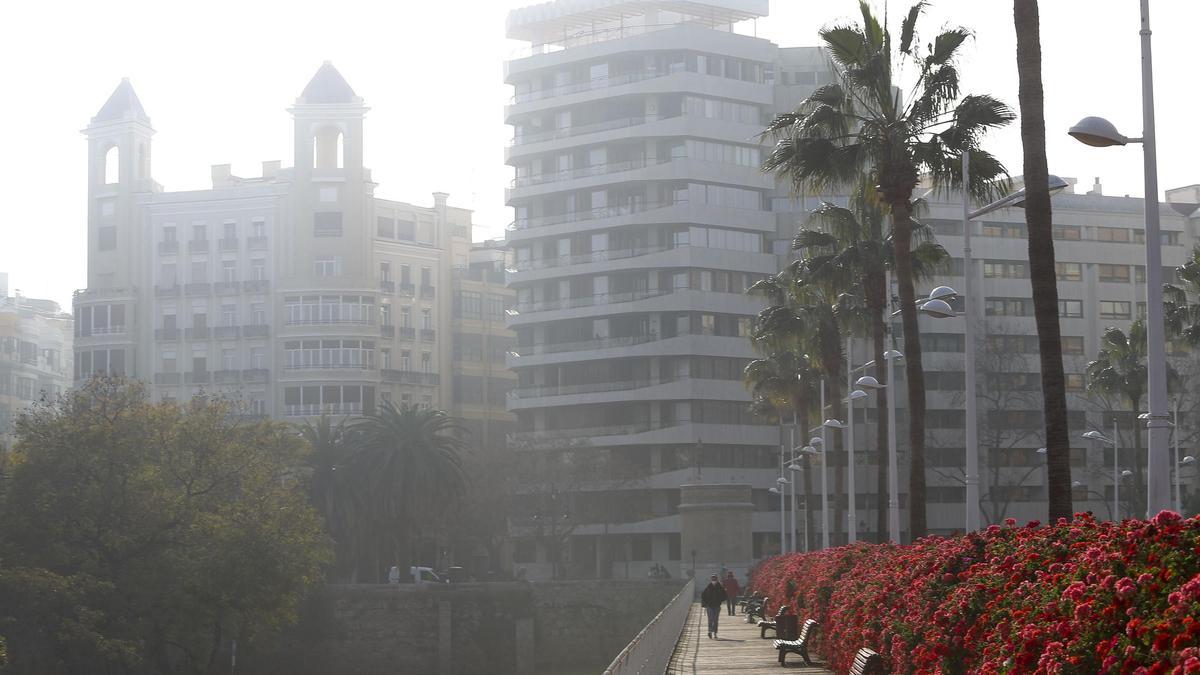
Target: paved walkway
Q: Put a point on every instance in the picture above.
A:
(738, 649)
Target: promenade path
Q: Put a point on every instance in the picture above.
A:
(738, 650)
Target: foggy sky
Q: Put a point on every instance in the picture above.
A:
(216, 77)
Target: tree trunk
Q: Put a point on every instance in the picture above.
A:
(902, 235)
(877, 305)
(1042, 277)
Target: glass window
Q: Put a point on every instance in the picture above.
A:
(1068, 271)
(1114, 309)
(1114, 273)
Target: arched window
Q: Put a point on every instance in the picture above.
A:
(112, 165)
(328, 150)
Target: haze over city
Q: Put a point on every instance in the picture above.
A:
(216, 80)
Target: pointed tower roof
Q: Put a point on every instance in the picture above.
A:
(123, 104)
(328, 86)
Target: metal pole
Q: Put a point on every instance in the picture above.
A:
(1175, 464)
(792, 477)
(824, 474)
(1158, 489)
(893, 462)
(972, 439)
(1117, 471)
(782, 494)
(852, 527)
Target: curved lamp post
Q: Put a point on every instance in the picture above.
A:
(1099, 132)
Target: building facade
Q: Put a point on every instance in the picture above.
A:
(35, 354)
(299, 291)
(641, 217)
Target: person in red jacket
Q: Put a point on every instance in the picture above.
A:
(732, 591)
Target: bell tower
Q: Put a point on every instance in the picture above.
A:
(118, 140)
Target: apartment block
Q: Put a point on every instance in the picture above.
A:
(35, 354)
(299, 291)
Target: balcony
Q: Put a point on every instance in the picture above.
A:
(167, 333)
(590, 214)
(198, 333)
(584, 258)
(168, 247)
(428, 335)
(589, 300)
(256, 286)
(226, 332)
(406, 289)
(256, 243)
(197, 288)
(408, 333)
(197, 246)
(226, 376)
(227, 244)
(315, 409)
(427, 292)
(167, 378)
(589, 85)
(256, 375)
(584, 172)
(590, 388)
(387, 331)
(564, 438)
(387, 286)
(167, 291)
(256, 331)
(199, 377)
(411, 377)
(588, 345)
(227, 288)
(581, 129)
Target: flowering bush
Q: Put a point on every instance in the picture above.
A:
(1078, 597)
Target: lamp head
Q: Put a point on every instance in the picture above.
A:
(808, 450)
(943, 293)
(1097, 132)
(892, 354)
(793, 466)
(1041, 451)
(1126, 473)
(1094, 435)
(816, 440)
(1076, 484)
(773, 490)
(834, 424)
(1188, 460)
(781, 480)
(858, 393)
(868, 382)
(938, 309)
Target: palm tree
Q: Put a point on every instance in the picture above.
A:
(853, 251)
(785, 381)
(863, 125)
(410, 462)
(802, 318)
(1120, 370)
(1182, 301)
(1042, 277)
(332, 486)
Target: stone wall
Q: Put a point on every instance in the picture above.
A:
(518, 628)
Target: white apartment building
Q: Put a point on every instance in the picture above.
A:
(35, 354)
(299, 290)
(641, 217)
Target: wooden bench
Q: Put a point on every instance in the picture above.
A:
(867, 662)
(772, 623)
(799, 645)
(758, 609)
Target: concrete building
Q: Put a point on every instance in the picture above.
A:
(35, 354)
(640, 219)
(298, 290)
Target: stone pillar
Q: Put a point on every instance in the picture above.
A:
(715, 523)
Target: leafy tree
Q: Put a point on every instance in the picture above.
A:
(409, 464)
(142, 537)
(1181, 302)
(333, 489)
(863, 125)
(1042, 275)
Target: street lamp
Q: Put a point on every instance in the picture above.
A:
(1099, 132)
(814, 443)
(1101, 438)
(780, 490)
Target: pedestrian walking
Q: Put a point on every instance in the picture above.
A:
(732, 591)
(711, 600)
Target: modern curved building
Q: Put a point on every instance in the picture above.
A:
(641, 217)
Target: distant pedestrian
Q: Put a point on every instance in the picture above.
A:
(732, 591)
(711, 600)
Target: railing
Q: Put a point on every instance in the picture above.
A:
(589, 388)
(589, 85)
(591, 214)
(584, 345)
(594, 256)
(590, 300)
(581, 129)
(651, 650)
(586, 171)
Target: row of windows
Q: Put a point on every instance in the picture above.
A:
(473, 347)
(479, 390)
(89, 362)
(200, 232)
(722, 153)
(716, 109)
(228, 315)
(319, 309)
(335, 399)
(25, 388)
(330, 354)
(230, 359)
(99, 320)
(475, 305)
